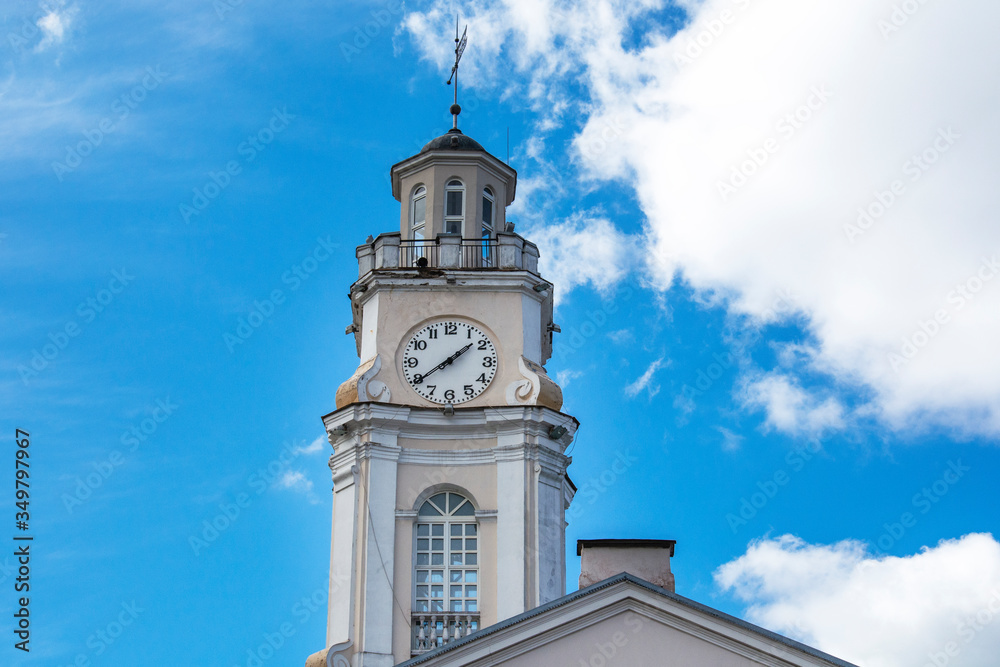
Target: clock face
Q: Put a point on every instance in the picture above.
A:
(449, 361)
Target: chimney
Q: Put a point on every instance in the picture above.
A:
(645, 559)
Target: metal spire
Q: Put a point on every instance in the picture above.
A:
(459, 50)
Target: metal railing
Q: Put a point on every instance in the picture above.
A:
(412, 252)
(472, 254)
(431, 630)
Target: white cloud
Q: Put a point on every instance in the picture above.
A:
(620, 336)
(730, 441)
(583, 250)
(888, 612)
(564, 377)
(645, 380)
(54, 26)
(790, 409)
(314, 447)
(885, 107)
(296, 480)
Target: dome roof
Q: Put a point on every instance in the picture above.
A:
(453, 140)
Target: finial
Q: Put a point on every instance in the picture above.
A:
(459, 50)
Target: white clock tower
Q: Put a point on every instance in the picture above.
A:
(450, 485)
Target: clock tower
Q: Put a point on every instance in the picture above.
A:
(449, 472)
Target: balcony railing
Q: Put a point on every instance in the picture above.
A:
(506, 252)
(469, 254)
(433, 630)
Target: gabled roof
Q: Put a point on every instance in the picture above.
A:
(612, 591)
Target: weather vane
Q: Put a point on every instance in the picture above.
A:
(459, 50)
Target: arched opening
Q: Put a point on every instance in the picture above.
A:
(418, 213)
(445, 571)
(454, 206)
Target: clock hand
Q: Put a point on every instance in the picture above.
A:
(446, 362)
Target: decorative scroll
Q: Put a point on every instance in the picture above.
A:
(362, 387)
(536, 388)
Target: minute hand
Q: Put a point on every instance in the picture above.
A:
(447, 362)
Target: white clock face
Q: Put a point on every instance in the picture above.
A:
(449, 361)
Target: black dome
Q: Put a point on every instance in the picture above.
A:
(453, 140)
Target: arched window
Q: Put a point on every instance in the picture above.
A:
(446, 563)
(454, 206)
(489, 210)
(488, 201)
(418, 213)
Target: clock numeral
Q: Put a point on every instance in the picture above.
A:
(469, 331)
(450, 395)
(487, 362)
(450, 329)
(482, 345)
(481, 378)
(432, 387)
(419, 345)
(411, 362)
(432, 333)
(469, 391)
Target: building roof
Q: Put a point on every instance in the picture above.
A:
(453, 139)
(624, 579)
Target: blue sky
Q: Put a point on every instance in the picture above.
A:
(172, 170)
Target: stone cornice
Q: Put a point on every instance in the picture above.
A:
(510, 425)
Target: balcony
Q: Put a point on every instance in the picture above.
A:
(506, 252)
(429, 631)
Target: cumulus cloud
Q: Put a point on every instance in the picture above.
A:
(583, 250)
(54, 26)
(791, 409)
(939, 606)
(841, 152)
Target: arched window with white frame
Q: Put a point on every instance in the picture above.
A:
(454, 206)
(445, 571)
(488, 213)
(418, 213)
